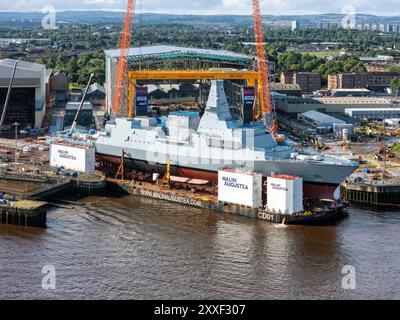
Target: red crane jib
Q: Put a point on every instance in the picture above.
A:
(125, 42)
(265, 99)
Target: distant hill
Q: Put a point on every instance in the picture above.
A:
(110, 17)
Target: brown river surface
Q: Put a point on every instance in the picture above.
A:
(133, 248)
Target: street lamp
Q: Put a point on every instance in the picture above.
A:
(16, 124)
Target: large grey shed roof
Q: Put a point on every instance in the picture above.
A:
(321, 118)
(166, 52)
(24, 68)
(27, 75)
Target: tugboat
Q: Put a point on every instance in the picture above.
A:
(323, 211)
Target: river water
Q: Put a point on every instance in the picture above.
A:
(135, 248)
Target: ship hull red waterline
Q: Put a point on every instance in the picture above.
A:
(311, 190)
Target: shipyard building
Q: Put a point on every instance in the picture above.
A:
(373, 114)
(318, 119)
(85, 118)
(295, 105)
(29, 95)
(172, 57)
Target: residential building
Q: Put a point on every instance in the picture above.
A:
(308, 81)
(295, 25)
(287, 77)
(375, 81)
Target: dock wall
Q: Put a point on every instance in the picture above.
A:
(370, 194)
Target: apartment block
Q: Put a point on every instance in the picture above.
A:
(375, 81)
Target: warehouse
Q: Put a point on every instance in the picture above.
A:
(288, 104)
(373, 113)
(27, 104)
(318, 119)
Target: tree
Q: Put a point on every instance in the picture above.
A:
(395, 86)
(394, 69)
(72, 69)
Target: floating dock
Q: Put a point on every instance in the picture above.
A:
(325, 212)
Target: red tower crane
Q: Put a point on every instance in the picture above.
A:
(266, 104)
(121, 85)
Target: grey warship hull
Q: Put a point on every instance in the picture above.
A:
(198, 147)
(318, 182)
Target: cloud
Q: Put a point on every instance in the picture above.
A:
(385, 7)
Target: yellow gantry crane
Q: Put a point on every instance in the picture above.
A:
(265, 104)
(251, 78)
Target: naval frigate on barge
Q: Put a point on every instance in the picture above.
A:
(197, 147)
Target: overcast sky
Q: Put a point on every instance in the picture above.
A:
(378, 7)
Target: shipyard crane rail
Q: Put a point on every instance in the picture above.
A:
(120, 92)
(3, 115)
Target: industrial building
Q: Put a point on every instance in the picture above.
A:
(96, 94)
(351, 92)
(288, 104)
(85, 118)
(30, 91)
(343, 131)
(373, 114)
(172, 93)
(75, 95)
(154, 57)
(59, 86)
(318, 119)
(287, 89)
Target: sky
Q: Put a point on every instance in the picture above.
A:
(275, 7)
